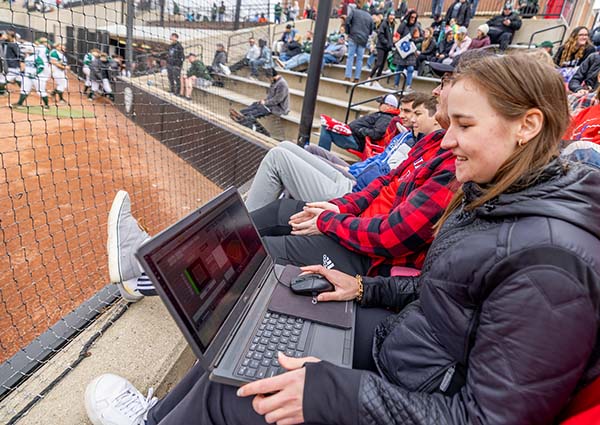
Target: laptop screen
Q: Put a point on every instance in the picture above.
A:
(209, 264)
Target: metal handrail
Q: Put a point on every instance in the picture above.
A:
(563, 26)
(230, 44)
(361, 83)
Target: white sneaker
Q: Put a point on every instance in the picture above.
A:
(376, 85)
(113, 400)
(124, 238)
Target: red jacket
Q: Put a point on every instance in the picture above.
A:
(401, 237)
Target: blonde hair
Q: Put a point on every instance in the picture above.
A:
(513, 85)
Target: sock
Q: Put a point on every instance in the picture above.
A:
(60, 95)
(145, 287)
(22, 99)
(45, 100)
(2, 88)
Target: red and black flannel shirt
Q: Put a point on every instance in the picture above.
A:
(402, 237)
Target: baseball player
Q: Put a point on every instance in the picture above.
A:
(58, 61)
(32, 67)
(87, 61)
(42, 51)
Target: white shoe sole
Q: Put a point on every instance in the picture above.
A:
(89, 391)
(114, 261)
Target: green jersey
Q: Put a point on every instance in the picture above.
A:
(33, 66)
(87, 59)
(59, 57)
(42, 52)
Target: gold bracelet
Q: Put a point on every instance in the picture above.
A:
(360, 288)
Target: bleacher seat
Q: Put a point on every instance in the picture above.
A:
(371, 149)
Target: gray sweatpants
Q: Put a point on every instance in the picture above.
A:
(303, 175)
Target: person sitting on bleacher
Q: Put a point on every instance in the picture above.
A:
(277, 103)
(504, 26)
(253, 53)
(219, 60)
(482, 39)
(288, 35)
(300, 59)
(427, 51)
(585, 79)
(335, 51)
(371, 125)
(314, 174)
(573, 52)
(461, 45)
(444, 47)
(197, 71)
(265, 60)
(291, 48)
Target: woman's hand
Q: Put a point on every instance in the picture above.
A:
(283, 404)
(346, 286)
(304, 223)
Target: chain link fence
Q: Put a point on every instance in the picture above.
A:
(92, 103)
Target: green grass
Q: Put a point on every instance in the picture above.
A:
(58, 112)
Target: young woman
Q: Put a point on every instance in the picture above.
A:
(410, 25)
(428, 48)
(500, 327)
(444, 47)
(461, 45)
(575, 50)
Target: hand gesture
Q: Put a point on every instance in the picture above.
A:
(283, 405)
(346, 286)
(304, 223)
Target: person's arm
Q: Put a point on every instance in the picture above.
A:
(515, 23)
(279, 94)
(513, 362)
(377, 130)
(407, 228)
(577, 81)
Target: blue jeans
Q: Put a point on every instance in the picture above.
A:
(297, 60)
(328, 58)
(371, 60)
(254, 64)
(284, 57)
(436, 7)
(358, 51)
(409, 74)
(474, 4)
(344, 142)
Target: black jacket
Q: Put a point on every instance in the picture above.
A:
(515, 22)
(359, 26)
(11, 54)
(293, 48)
(572, 61)
(444, 47)
(372, 125)
(500, 328)
(430, 50)
(586, 74)
(175, 55)
(385, 36)
(464, 14)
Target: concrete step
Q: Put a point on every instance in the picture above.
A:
(420, 84)
(341, 89)
(334, 105)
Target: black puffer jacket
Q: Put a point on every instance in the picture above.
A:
(586, 74)
(503, 327)
(385, 36)
(371, 125)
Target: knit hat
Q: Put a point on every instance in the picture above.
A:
(462, 30)
(508, 6)
(390, 100)
(484, 28)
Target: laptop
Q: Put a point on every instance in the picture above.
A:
(216, 279)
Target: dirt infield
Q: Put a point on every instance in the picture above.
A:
(59, 177)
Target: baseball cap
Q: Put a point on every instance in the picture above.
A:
(390, 100)
(547, 44)
(441, 68)
(462, 30)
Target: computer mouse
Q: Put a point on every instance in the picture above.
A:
(310, 284)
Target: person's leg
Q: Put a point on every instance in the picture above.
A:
(108, 89)
(397, 77)
(360, 52)
(409, 75)
(273, 219)
(177, 76)
(304, 176)
(292, 63)
(40, 87)
(325, 139)
(494, 34)
(352, 47)
(311, 250)
(504, 40)
(171, 76)
(325, 154)
(252, 113)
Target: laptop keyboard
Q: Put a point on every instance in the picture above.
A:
(276, 332)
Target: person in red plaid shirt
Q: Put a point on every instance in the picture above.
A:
(389, 223)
